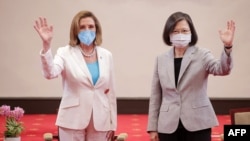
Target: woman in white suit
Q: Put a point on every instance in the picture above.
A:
(179, 108)
(88, 110)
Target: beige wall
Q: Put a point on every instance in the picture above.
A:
(132, 31)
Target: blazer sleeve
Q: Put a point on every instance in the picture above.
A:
(222, 66)
(51, 67)
(155, 100)
(112, 96)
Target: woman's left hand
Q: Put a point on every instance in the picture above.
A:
(110, 135)
(227, 35)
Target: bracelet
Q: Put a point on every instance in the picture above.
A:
(228, 47)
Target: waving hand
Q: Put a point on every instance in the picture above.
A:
(227, 35)
(44, 31)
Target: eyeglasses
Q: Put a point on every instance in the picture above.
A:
(183, 31)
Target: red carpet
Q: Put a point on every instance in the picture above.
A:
(134, 125)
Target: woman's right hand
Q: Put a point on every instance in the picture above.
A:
(44, 31)
(154, 136)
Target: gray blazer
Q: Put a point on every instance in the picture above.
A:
(189, 101)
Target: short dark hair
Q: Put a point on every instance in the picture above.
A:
(171, 23)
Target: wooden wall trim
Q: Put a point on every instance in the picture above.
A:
(124, 105)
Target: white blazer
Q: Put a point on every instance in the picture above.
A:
(80, 96)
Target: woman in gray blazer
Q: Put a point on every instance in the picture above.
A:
(179, 108)
(87, 111)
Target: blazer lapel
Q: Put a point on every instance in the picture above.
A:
(186, 60)
(77, 55)
(170, 64)
(102, 67)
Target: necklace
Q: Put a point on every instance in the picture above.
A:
(87, 55)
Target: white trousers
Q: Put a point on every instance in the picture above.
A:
(88, 134)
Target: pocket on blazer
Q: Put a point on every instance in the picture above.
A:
(71, 102)
(164, 108)
(201, 103)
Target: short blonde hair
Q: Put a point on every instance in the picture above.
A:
(75, 28)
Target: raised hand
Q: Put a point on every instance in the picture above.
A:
(44, 31)
(227, 35)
